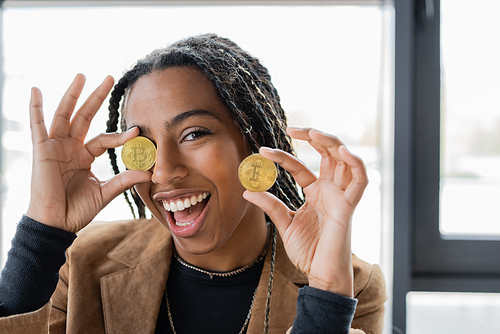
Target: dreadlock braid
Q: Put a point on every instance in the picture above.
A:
(112, 126)
(241, 82)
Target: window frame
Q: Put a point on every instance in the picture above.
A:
(442, 258)
(424, 260)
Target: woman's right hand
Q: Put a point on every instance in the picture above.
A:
(64, 192)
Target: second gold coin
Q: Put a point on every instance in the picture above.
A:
(257, 173)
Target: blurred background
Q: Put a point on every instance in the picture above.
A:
(410, 86)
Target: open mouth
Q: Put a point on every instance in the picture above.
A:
(185, 210)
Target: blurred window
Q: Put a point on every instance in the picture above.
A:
(470, 114)
(331, 64)
(452, 312)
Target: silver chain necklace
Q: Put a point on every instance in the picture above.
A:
(245, 324)
(211, 274)
(234, 272)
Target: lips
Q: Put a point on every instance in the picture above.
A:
(185, 210)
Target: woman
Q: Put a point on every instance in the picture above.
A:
(211, 259)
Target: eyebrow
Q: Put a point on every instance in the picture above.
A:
(178, 119)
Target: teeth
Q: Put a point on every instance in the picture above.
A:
(173, 206)
(184, 224)
(180, 205)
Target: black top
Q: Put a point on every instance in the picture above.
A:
(202, 305)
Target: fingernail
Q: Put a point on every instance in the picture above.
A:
(266, 149)
(131, 128)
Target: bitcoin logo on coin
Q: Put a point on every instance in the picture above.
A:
(139, 153)
(257, 173)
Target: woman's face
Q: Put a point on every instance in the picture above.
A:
(194, 190)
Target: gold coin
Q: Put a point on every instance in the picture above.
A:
(139, 153)
(257, 173)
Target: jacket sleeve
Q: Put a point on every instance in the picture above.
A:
(369, 290)
(57, 320)
(369, 315)
(36, 322)
(39, 321)
(30, 277)
(51, 318)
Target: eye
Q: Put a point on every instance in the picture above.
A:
(196, 133)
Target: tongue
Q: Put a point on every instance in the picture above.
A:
(190, 213)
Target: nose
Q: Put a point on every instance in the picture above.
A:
(169, 166)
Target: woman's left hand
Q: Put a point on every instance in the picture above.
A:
(317, 237)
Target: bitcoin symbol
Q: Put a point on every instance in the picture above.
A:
(257, 173)
(139, 153)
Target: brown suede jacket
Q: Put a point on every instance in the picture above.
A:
(110, 262)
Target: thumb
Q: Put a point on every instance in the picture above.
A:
(273, 207)
(121, 182)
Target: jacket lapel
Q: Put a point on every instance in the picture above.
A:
(147, 253)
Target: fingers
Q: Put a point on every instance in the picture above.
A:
(357, 185)
(62, 116)
(325, 144)
(37, 123)
(102, 142)
(302, 175)
(62, 126)
(81, 122)
(121, 182)
(337, 164)
(273, 207)
(332, 165)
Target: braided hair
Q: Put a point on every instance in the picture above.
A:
(241, 82)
